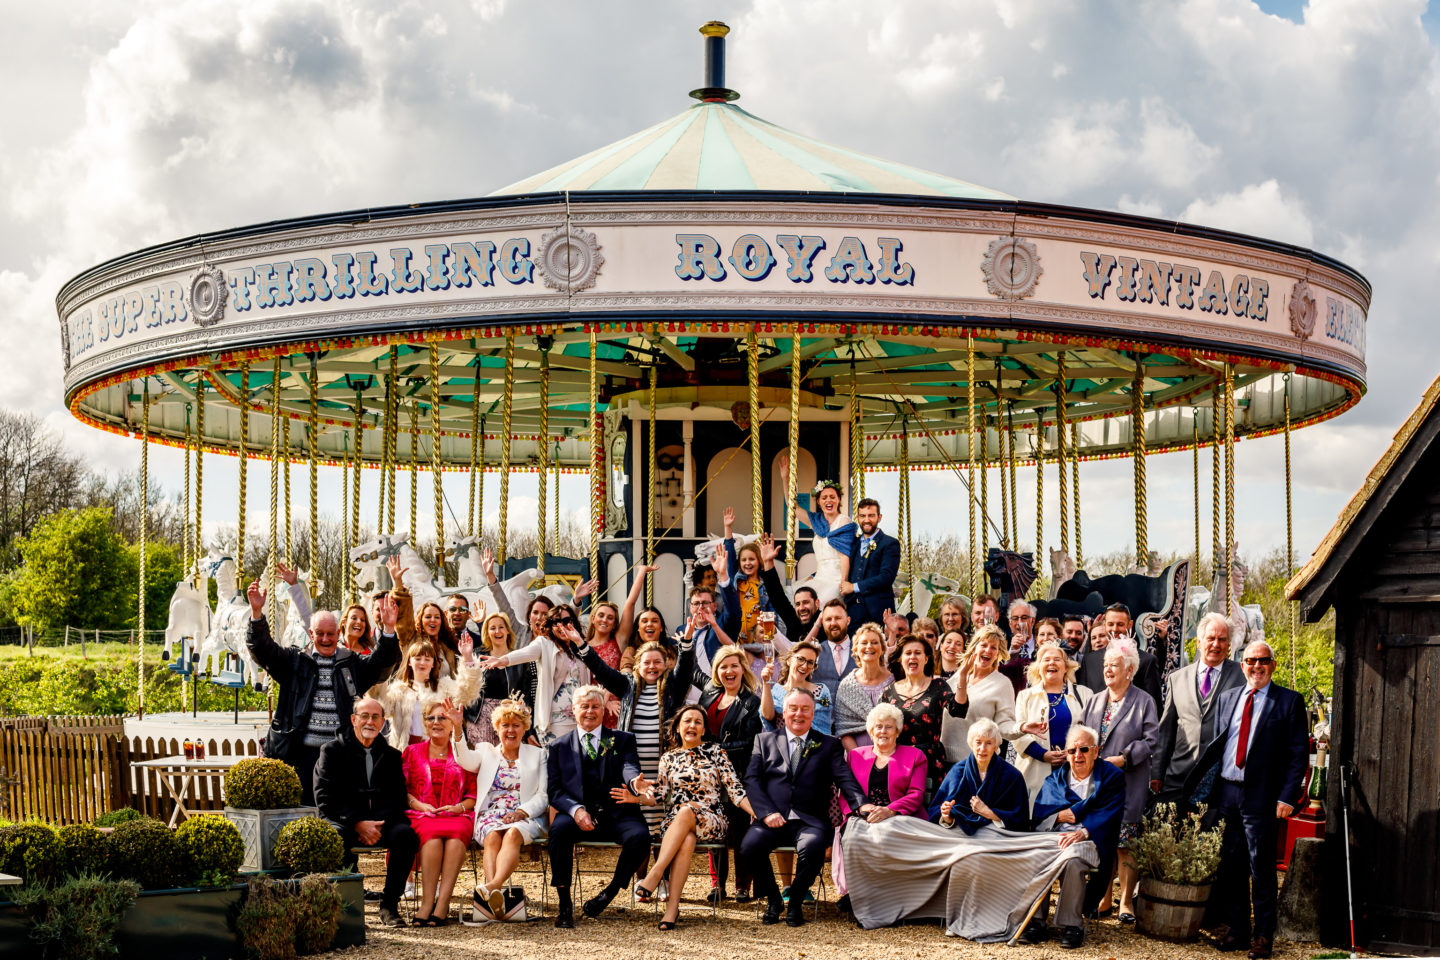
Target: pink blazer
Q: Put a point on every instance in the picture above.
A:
(907, 777)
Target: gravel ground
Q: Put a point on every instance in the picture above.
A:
(736, 933)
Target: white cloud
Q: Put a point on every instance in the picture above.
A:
(1260, 209)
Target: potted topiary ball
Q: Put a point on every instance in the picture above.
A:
(146, 851)
(261, 797)
(310, 845)
(214, 847)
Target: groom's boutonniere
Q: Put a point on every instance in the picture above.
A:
(869, 547)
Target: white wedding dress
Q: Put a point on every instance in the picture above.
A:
(832, 553)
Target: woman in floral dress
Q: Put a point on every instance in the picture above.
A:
(511, 799)
(694, 778)
(924, 699)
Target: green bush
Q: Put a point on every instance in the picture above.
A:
(116, 817)
(266, 921)
(319, 917)
(83, 850)
(258, 783)
(309, 845)
(60, 682)
(30, 850)
(77, 919)
(214, 847)
(146, 851)
(1173, 848)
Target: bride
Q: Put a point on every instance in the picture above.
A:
(834, 535)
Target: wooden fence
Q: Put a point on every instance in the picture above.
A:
(64, 769)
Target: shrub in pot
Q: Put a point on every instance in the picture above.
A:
(30, 850)
(83, 850)
(146, 851)
(214, 847)
(261, 797)
(77, 919)
(310, 845)
(266, 921)
(319, 917)
(1177, 859)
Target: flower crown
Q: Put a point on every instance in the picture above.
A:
(832, 484)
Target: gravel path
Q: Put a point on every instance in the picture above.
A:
(736, 933)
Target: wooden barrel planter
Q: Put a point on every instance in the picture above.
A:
(1170, 911)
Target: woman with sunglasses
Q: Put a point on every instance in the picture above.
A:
(1128, 724)
(795, 673)
(559, 672)
(440, 790)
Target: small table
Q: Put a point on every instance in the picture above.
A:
(8, 881)
(177, 774)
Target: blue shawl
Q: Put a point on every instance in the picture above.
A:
(1003, 790)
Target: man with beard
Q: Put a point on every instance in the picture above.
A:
(835, 660)
(874, 564)
(798, 618)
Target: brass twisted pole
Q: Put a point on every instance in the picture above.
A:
(185, 513)
(1039, 491)
(244, 442)
(597, 457)
(436, 463)
(1075, 489)
(908, 544)
(544, 451)
(1013, 470)
(757, 506)
(985, 494)
(476, 439)
(506, 406)
(199, 472)
(651, 458)
(357, 462)
(144, 549)
(1195, 484)
(792, 487)
(1137, 459)
(1062, 457)
(1229, 481)
(1217, 472)
(315, 471)
(285, 473)
(1290, 536)
(274, 557)
(392, 439)
(1007, 446)
(971, 441)
(414, 408)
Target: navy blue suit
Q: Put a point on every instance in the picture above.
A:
(873, 574)
(1276, 755)
(576, 781)
(803, 799)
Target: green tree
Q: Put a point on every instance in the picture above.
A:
(76, 570)
(162, 572)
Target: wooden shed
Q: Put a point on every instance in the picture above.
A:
(1379, 567)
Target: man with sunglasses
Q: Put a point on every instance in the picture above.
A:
(1082, 799)
(1261, 747)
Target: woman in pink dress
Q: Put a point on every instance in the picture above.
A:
(441, 793)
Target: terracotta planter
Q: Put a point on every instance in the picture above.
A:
(259, 829)
(1171, 911)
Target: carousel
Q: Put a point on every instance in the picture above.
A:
(675, 314)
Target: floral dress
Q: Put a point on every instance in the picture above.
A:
(503, 799)
(923, 714)
(698, 776)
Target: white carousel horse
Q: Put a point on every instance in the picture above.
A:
(189, 614)
(1062, 568)
(469, 572)
(224, 653)
(923, 591)
(369, 558)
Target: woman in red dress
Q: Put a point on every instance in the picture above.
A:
(441, 793)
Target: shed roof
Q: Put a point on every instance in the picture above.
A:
(1312, 584)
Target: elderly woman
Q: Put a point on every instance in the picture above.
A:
(862, 688)
(892, 776)
(982, 789)
(441, 794)
(694, 779)
(798, 667)
(511, 799)
(1128, 723)
(989, 691)
(925, 699)
(1044, 712)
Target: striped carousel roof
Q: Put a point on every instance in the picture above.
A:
(719, 146)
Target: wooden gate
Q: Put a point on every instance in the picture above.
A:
(64, 769)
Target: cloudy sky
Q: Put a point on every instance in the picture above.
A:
(131, 123)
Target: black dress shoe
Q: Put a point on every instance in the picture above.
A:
(373, 896)
(1072, 937)
(773, 909)
(596, 905)
(795, 912)
(1036, 931)
(564, 919)
(389, 916)
(843, 904)
(715, 896)
(1260, 947)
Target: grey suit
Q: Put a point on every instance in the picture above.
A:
(1132, 735)
(1187, 724)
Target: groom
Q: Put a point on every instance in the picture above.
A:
(874, 562)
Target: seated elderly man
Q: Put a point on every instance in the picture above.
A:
(318, 685)
(360, 789)
(1082, 799)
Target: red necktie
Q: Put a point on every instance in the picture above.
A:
(1240, 747)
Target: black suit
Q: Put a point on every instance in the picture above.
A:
(873, 574)
(576, 780)
(346, 795)
(1277, 753)
(802, 798)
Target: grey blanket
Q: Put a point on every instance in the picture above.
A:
(981, 887)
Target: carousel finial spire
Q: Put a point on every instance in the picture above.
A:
(714, 90)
